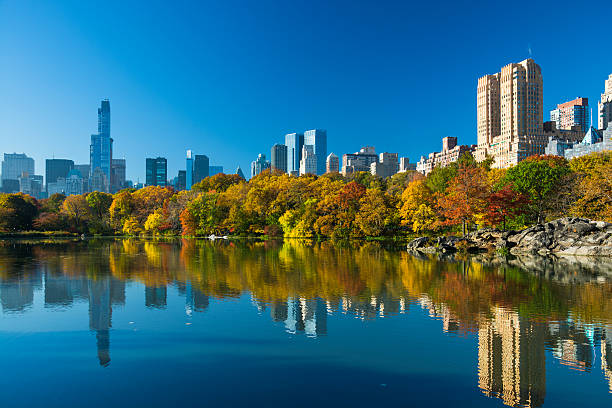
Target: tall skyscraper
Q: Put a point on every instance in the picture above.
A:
(56, 168)
(510, 114)
(318, 139)
(200, 168)
(279, 157)
(605, 105)
(572, 113)
(260, 164)
(13, 166)
(308, 164)
(180, 180)
(101, 149)
(117, 175)
(157, 172)
(332, 164)
(294, 143)
(189, 170)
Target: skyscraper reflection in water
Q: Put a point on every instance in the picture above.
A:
(103, 293)
(511, 358)
(302, 315)
(513, 340)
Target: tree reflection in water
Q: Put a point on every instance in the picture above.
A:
(518, 308)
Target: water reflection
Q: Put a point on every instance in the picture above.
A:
(520, 316)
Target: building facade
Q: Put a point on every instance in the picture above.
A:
(572, 113)
(189, 170)
(332, 164)
(604, 107)
(278, 157)
(58, 186)
(386, 166)
(85, 170)
(405, 165)
(14, 165)
(200, 168)
(451, 152)
(308, 164)
(74, 183)
(561, 139)
(117, 175)
(294, 143)
(510, 114)
(594, 141)
(156, 171)
(212, 170)
(317, 138)
(259, 165)
(97, 181)
(359, 161)
(56, 168)
(181, 180)
(31, 185)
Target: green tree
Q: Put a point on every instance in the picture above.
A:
(538, 177)
(17, 211)
(99, 204)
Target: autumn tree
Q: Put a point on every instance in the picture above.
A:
(376, 213)
(594, 187)
(397, 183)
(465, 199)
(218, 183)
(505, 204)
(76, 210)
(121, 208)
(417, 206)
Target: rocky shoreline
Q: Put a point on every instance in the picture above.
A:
(561, 237)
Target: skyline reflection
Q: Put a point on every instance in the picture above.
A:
(519, 318)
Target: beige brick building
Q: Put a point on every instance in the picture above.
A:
(510, 114)
(451, 152)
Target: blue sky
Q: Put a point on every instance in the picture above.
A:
(230, 78)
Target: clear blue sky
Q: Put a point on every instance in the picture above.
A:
(230, 78)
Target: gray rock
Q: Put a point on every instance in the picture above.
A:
(565, 236)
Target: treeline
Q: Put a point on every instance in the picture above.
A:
(459, 197)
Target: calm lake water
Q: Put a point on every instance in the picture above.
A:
(115, 323)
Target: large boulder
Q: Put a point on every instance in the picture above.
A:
(564, 236)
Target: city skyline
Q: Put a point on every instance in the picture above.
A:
(351, 93)
(515, 116)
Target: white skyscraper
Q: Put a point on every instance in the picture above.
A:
(308, 164)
